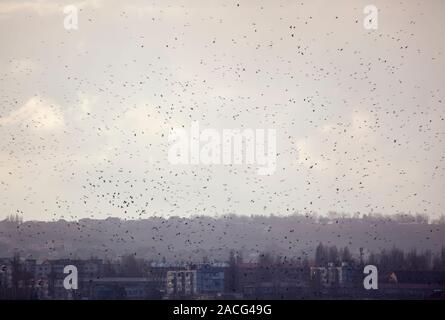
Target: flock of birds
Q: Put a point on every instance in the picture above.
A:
(84, 134)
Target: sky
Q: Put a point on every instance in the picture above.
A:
(85, 114)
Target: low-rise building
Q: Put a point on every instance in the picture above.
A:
(181, 283)
(210, 278)
(5, 273)
(112, 288)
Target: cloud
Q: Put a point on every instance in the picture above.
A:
(37, 114)
(41, 7)
(23, 66)
(326, 146)
(44, 7)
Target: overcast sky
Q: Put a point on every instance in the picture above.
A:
(85, 114)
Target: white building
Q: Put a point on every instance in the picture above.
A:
(181, 282)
